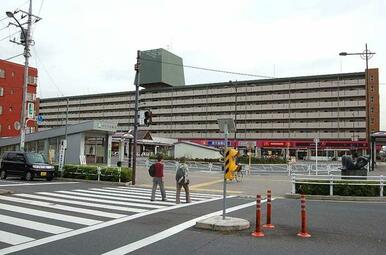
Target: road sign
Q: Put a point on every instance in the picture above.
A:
(31, 111)
(40, 119)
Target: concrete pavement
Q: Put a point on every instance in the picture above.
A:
(212, 182)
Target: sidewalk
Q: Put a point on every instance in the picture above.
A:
(212, 182)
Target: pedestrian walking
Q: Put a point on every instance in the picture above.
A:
(182, 180)
(158, 178)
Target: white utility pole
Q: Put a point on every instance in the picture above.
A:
(26, 41)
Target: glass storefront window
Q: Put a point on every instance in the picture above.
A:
(52, 150)
(95, 149)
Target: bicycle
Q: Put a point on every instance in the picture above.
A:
(239, 175)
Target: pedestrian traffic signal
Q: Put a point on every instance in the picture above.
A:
(230, 163)
(148, 118)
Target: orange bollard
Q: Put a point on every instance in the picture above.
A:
(258, 232)
(303, 232)
(269, 211)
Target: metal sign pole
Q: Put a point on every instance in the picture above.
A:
(225, 182)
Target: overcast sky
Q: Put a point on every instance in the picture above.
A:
(89, 46)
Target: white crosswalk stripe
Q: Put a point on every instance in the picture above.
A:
(63, 207)
(96, 195)
(49, 215)
(13, 239)
(194, 194)
(169, 195)
(74, 202)
(57, 212)
(33, 225)
(103, 201)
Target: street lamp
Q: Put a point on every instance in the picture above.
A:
(366, 55)
(26, 42)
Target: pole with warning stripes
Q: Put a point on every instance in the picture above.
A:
(226, 126)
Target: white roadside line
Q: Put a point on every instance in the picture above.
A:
(54, 238)
(35, 184)
(172, 231)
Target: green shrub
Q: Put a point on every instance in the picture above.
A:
(90, 172)
(342, 189)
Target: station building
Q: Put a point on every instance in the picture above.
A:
(280, 116)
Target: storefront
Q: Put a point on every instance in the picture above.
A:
(88, 141)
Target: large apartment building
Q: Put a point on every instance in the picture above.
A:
(11, 98)
(270, 114)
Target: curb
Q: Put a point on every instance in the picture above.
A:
(336, 198)
(94, 181)
(216, 223)
(5, 192)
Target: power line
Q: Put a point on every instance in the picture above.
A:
(48, 74)
(41, 6)
(4, 27)
(209, 69)
(2, 39)
(21, 54)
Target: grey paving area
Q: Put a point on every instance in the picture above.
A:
(249, 186)
(336, 228)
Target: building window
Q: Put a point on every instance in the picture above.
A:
(372, 99)
(2, 73)
(372, 120)
(1, 91)
(371, 78)
(32, 80)
(1, 109)
(372, 109)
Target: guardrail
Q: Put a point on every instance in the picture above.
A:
(332, 180)
(254, 169)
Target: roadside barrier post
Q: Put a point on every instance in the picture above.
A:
(331, 185)
(258, 232)
(99, 173)
(303, 232)
(293, 184)
(269, 211)
(381, 186)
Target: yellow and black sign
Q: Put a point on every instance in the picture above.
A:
(230, 163)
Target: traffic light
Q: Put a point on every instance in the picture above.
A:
(230, 163)
(148, 118)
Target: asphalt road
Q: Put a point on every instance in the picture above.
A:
(336, 227)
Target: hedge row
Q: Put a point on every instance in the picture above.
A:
(340, 190)
(90, 172)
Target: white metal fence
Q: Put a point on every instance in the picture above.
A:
(257, 169)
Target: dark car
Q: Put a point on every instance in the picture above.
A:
(27, 165)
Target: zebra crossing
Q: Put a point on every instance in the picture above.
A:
(29, 217)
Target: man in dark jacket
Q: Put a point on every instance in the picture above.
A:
(158, 179)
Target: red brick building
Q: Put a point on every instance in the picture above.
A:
(11, 97)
